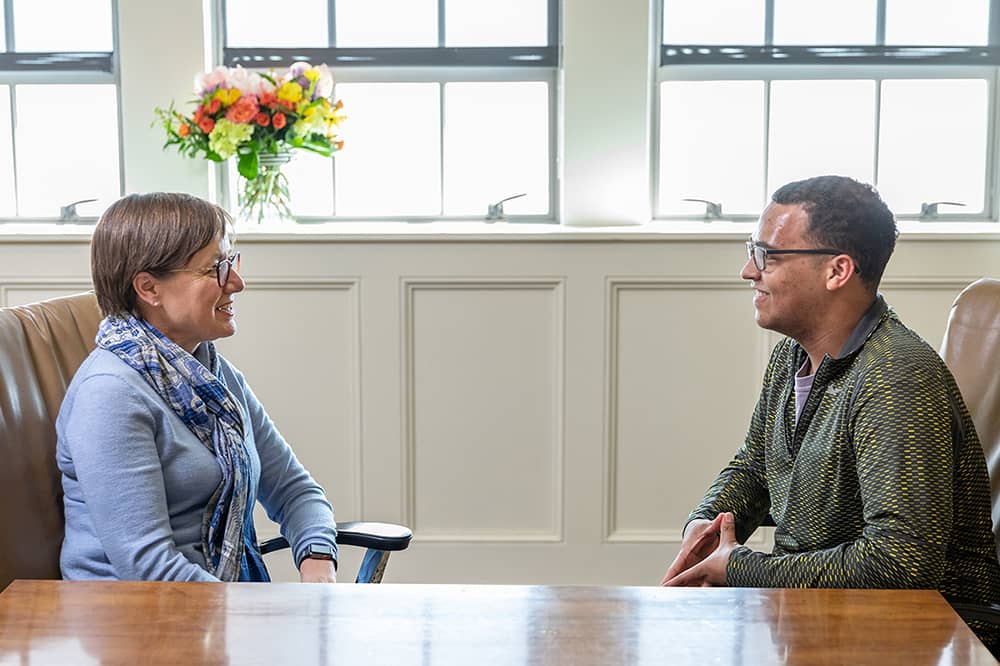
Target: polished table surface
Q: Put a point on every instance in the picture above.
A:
(56, 622)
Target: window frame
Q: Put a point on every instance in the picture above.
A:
(58, 68)
(877, 62)
(440, 65)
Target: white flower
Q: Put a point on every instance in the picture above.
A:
(324, 86)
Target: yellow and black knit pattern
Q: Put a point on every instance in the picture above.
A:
(881, 484)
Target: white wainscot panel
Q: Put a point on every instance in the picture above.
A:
(924, 304)
(31, 292)
(484, 409)
(685, 362)
(297, 345)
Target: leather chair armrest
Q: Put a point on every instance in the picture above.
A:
(379, 536)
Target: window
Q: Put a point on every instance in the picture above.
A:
(59, 136)
(451, 104)
(898, 93)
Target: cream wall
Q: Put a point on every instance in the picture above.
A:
(539, 404)
(538, 409)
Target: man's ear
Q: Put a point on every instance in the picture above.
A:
(147, 289)
(839, 271)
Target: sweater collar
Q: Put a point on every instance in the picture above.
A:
(868, 323)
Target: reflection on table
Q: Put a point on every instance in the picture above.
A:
(57, 622)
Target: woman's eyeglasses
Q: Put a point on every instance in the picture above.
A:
(222, 268)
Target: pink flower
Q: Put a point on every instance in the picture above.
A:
(206, 83)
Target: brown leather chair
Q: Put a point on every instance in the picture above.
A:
(41, 347)
(971, 349)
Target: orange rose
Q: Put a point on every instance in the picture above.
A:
(184, 130)
(243, 111)
(268, 98)
(206, 125)
(263, 119)
(214, 106)
(339, 144)
(279, 120)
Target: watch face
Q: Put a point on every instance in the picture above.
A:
(320, 551)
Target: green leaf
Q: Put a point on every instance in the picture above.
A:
(248, 165)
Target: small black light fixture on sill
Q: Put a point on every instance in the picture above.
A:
(713, 210)
(68, 212)
(494, 212)
(929, 211)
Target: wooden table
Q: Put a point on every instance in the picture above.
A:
(55, 622)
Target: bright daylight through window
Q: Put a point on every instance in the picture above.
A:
(899, 93)
(450, 104)
(46, 68)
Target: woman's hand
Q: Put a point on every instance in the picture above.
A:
(317, 571)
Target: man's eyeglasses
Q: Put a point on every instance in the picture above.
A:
(758, 254)
(222, 268)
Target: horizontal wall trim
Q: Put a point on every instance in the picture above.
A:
(664, 536)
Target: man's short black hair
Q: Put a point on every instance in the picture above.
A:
(847, 215)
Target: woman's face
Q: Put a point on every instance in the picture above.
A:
(190, 307)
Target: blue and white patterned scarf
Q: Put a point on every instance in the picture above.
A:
(198, 395)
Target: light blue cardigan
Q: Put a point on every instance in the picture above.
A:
(136, 480)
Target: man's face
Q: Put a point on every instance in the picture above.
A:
(790, 291)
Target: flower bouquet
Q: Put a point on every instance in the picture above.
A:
(260, 118)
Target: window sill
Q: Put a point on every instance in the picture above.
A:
(479, 231)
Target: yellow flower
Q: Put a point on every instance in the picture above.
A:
(312, 74)
(227, 96)
(290, 91)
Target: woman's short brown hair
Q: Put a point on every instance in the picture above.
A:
(154, 232)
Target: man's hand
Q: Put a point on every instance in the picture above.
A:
(700, 539)
(712, 570)
(317, 571)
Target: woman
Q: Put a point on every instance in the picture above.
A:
(163, 447)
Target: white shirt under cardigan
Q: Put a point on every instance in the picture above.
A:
(136, 479)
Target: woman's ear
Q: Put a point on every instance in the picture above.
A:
(147, 290)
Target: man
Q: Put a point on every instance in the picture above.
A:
(860, 446)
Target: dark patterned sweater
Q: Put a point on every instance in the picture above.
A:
(881, 484)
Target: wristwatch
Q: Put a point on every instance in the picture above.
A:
(319, 551)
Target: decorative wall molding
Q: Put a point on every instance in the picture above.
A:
(352, 285)
(615, 287)
(409, 288)
(67, 285)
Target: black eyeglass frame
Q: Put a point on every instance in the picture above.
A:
(753, 249)
(221, 274)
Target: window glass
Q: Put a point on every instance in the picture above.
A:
(932, 145)
(391, 163)
(825, 22)
(7, 207)
(711, 145)
(310, 183)
(491, 23)
(252, 23)
(57, 167)
(496, 145)
(82, 25)
(387, 23)
(713, 22)
(955, 22)
(821, 127)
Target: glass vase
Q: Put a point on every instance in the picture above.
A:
(265, 199)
